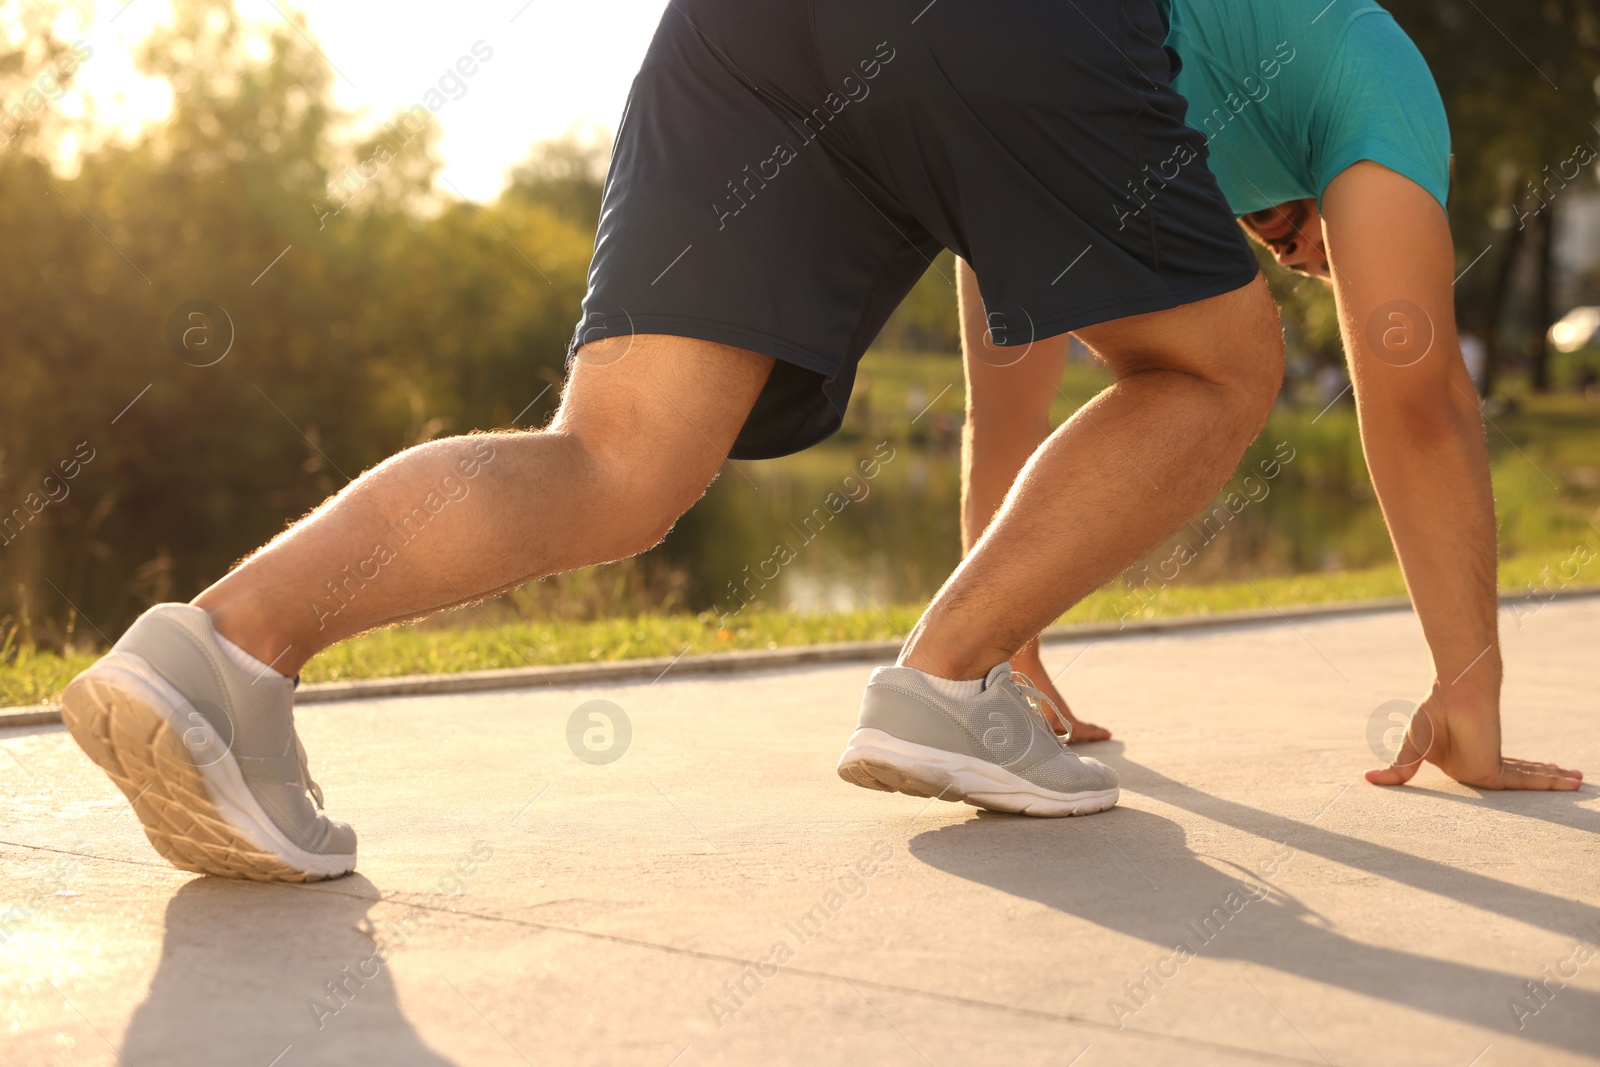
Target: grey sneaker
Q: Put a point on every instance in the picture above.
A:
(993, 751)
(207, 755)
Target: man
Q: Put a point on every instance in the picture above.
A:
(782, 175)
(1329, 140)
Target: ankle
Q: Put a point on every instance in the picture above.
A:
(974, 667)
(253, 666)
(964, 689)
(242, 628)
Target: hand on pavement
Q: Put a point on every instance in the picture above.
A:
(1463, 740)
(1029, 663)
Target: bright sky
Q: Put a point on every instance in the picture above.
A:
(556, 65)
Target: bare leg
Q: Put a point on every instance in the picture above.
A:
(1009, 393)
(1194, 387)
(644, 426)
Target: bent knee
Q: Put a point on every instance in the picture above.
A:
(1231, 343)
(1254, 388)
(1242, 356)
(642, 487)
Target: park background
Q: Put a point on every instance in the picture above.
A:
(162, 158)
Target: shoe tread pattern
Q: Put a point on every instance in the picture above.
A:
(893, 776)
(140, 752)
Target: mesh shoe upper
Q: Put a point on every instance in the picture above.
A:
(253, 718)
(999, 725)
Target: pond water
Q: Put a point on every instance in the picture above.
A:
(855, 523)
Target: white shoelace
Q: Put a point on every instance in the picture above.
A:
(1037, 701)
(305, 772)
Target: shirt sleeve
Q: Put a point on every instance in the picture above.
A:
(1379, 102)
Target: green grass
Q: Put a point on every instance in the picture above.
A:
(1546, 454)
(28, 676)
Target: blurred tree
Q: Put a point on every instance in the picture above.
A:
(567, 176)
(928, 320)
(1519, 81)
(356, 311)
(350, 314)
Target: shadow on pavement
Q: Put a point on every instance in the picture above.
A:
(1557, 914)
(1559, 808)
(241, 964)
(1150, 885)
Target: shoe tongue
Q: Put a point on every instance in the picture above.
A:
(1000, 672)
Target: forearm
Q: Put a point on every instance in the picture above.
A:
(1431, 472)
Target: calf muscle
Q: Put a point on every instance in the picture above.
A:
(642, 430)
(1194, 386)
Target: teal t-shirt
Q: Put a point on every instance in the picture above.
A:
(1290, 92)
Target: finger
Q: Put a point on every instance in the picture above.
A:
(1088, 731)
(1519, 774)
(1405, 765)
(1547, 768)
(1535, 767)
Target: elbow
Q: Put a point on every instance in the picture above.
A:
(1425, 419)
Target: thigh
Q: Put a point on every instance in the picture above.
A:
(664, 410)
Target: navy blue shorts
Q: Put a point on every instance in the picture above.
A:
(786, 170)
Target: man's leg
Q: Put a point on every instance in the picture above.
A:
(199, 733)
(1194, 386)
(1008, 418)
(644, 426)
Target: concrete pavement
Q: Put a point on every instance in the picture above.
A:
(717, 895)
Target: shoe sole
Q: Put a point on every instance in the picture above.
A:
(200, 818)
(877, 760)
